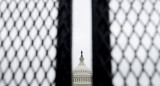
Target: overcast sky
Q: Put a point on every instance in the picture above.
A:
(82, 36)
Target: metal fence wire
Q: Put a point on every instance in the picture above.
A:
(126, 42)
(35, 42)
(135, 42)
(30, 48)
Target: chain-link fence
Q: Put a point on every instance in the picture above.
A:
(35, 42)
(29, 41)
(126, 42)
(135, 42)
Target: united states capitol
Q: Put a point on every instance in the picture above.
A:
(82, 75)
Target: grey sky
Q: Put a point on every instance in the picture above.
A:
(82, 36)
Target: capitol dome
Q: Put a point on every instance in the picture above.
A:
(82, 74)
(81, 69)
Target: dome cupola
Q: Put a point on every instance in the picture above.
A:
(81, 58)
(81, 68)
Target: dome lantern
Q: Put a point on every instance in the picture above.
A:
(81, 58)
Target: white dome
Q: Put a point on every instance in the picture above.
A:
(81, 68)
(81, 74)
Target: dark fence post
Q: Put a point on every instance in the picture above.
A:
(101, 43)
(63, 70)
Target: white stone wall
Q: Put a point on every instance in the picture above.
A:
(82, 80)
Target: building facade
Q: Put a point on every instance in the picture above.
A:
(82, 76)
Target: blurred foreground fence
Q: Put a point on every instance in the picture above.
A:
(127, 52)
(35, 42)
(135, 42)
(126, 42)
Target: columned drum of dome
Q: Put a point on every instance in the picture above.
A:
(82, 76)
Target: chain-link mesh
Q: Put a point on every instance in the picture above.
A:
(28, 30)
(28, 40)
(135, 42)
